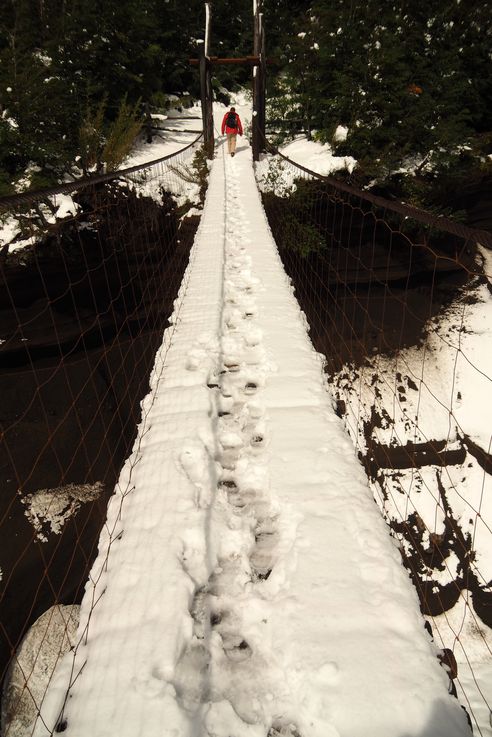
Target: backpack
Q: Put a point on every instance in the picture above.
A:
(231, 120)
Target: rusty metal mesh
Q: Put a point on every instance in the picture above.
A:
(87, 288)
(394, 298)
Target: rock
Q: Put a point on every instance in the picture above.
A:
(49, 638)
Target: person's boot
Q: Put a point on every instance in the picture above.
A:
(232, 153)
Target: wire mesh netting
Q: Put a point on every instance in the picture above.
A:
(88, 286)
(398, 301)
(395, 299)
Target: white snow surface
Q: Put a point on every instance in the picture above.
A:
(317, 157)
(246, 584)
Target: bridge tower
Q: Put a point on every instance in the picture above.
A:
(258, 63)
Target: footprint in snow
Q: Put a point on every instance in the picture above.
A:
(262, 558)
(234, 645)
(230, 440)
(199, 611)
(228, 458)
(194, 461)
(213, 381)
(250, 387)
(249, 314)
(283, 729)
(253, 336)
(255, 409)
(257, 441)
(230, 578)
(240, 498)
(190, 677)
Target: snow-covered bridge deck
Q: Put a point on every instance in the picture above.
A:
(246, 584)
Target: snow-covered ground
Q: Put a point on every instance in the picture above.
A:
(179, 128)
(273, 173)
(246, 583)
(147, 182)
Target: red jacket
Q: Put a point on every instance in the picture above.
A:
(226, 128)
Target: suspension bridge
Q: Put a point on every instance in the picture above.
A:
(244, 581)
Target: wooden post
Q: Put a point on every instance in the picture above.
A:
(206, 92)
(256, 81)
(210, 92)
(262, 71)
(257, 61)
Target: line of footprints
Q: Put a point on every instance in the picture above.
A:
(220, 662)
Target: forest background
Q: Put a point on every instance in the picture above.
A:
(411, 82)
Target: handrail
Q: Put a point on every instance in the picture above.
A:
(441, 222)
(26, 197)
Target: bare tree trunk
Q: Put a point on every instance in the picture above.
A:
(147, 123)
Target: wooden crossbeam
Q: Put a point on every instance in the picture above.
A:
(220, 61)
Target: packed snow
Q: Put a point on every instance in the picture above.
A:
(246, 583)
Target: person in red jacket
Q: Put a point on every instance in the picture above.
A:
(231, 125)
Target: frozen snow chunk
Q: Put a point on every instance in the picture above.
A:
(53, 507)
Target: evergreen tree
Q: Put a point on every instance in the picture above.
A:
(412, 81)
(60, 59)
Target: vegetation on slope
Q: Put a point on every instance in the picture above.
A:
(412, 82)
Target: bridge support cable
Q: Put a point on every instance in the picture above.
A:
(396, 300)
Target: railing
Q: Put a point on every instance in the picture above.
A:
(87, 288)
(397, 300)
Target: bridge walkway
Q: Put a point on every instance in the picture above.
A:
(246, 584)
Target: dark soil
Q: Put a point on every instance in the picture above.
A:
(82, 316)
(475, 199)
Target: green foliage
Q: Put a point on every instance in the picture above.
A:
(412, 82)
(201, 168)
(62, 63)
(121, 135)
(291, 217)
(91, 137)
(108, 144)
(275, 180)
(196, 172)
